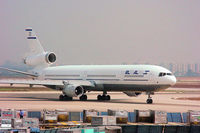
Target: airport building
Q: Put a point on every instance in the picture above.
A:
(184, 69)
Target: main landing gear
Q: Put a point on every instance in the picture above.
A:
(65, 98)
(103, 97)
(149, 100)
(83, 97)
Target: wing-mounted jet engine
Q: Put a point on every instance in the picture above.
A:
(70, 91)
(73, 91)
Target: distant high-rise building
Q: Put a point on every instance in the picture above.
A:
(185, 68)
(171, 67)
(189, 67)
(196, 68)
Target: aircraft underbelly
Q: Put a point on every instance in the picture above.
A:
(130, 87)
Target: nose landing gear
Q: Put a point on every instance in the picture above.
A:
(103, 97)
(149, 100)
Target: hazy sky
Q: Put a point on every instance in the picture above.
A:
(103, 31)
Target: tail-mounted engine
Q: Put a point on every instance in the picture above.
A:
(43, 58)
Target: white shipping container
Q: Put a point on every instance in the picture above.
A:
(99, 120)
(146, 116)
(113, 129)
(103, 120)
(31, 122)
(62, 115)
(121, 113)
(69, 131)
(62, 112)
(144, 113)
(6, 123)
(17, 123)
(50, 117)
(111, 120)
(194, 117)
(87, 115)
(160, 117)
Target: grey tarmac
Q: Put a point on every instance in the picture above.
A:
(166, 101)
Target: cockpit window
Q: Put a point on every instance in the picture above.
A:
(161, 74)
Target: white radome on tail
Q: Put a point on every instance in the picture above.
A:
(37, 57)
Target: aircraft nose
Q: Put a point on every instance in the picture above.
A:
(172, 80)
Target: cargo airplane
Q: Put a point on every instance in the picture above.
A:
(77, 80)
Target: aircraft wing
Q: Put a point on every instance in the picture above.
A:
(46, 82)
(43, 82)
(17, 71)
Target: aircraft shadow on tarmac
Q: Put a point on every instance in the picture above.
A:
(55, 99)
(119, 101)
(28, 99)
(31, 98)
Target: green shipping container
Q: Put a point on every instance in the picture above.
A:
(87, 130)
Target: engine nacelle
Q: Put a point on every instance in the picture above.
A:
(132, 94)
(73, 91)
(43, 58)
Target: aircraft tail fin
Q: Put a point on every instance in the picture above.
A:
(37, 57)
(34, 43)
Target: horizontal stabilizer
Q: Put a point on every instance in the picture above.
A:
(17, 71)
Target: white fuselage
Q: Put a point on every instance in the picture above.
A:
(114, 77)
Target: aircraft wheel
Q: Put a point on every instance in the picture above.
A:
(70, 98)
(99, 98)
(61, 97)
(149, 101)
(103, 97)
(83, 98)
(66, 98)
(108, 97)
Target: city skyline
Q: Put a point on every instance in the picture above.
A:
(184, 69)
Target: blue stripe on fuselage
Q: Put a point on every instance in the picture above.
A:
(28, 29)
(31, 37)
